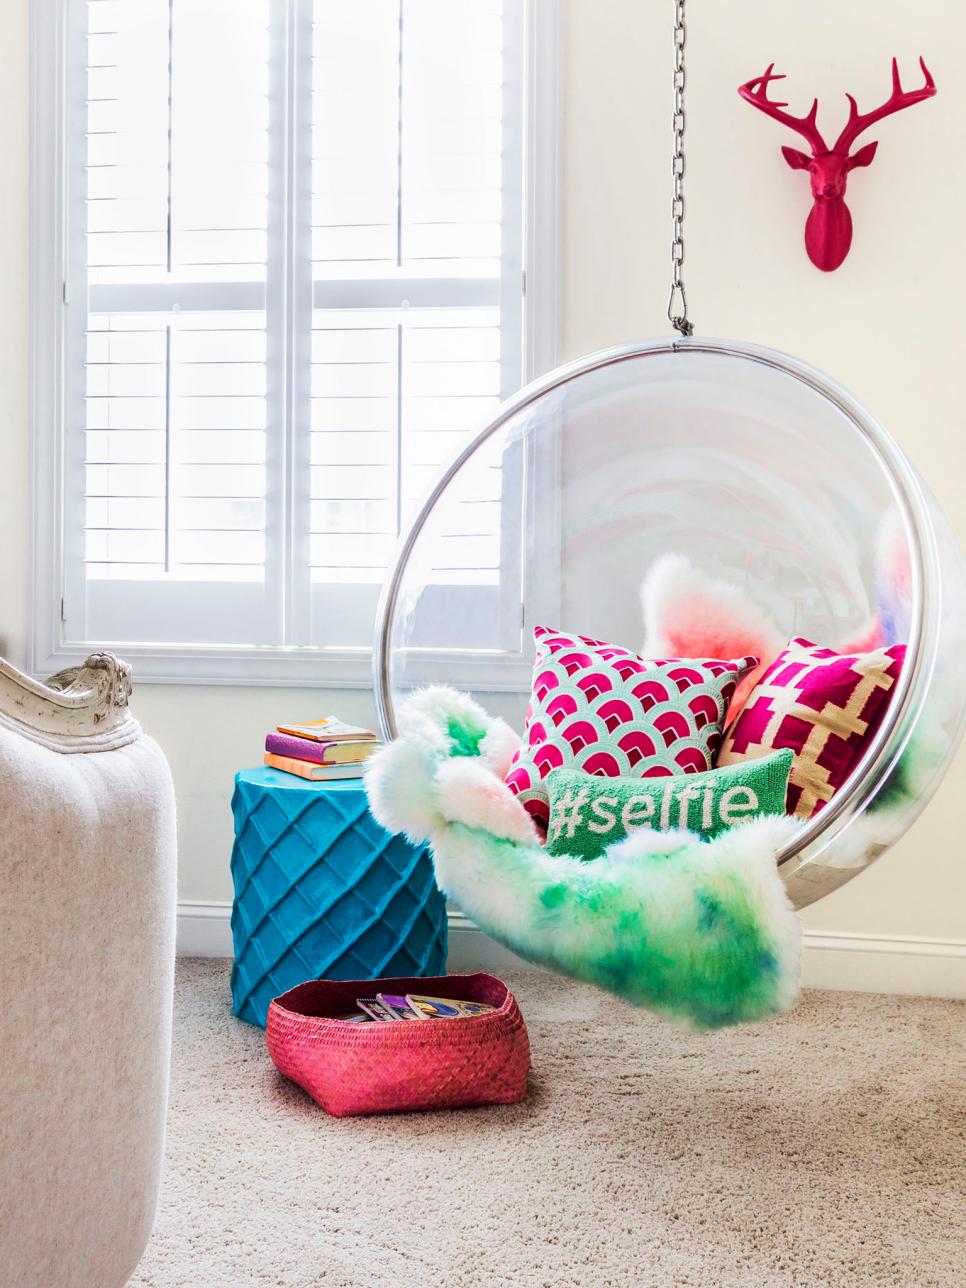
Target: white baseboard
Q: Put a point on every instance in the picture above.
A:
(204, 929)
(885, 964)
(862, 963)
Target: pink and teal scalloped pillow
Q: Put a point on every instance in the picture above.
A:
(603, 709)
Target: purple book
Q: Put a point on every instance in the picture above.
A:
(320, 753)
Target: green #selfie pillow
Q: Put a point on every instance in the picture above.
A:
(588, 813)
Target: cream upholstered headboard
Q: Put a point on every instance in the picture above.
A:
(84, 708)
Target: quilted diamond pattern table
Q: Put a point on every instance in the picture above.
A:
(323, 892)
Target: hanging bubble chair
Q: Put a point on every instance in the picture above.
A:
(746, 473)
(757, 468)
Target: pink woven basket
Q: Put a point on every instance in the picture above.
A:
(390, 1067)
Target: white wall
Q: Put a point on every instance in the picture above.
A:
(886, 324)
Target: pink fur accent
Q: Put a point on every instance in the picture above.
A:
(688, 613)
(468, 792)
(498, 747)
(869, 638)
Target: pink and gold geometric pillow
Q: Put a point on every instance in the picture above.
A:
(825, 706)
(603, 709)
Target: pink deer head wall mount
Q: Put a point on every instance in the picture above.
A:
(828, 230)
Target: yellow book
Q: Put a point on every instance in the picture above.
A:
(328, 729)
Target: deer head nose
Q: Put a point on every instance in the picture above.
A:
(828, 190)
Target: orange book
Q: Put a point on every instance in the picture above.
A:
(313, 772)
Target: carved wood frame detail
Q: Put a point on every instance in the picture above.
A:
(84, 708)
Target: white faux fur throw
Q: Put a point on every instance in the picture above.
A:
(699, 931)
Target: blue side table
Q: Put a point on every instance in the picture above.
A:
(322, 891)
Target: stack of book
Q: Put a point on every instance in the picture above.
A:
(320, 750)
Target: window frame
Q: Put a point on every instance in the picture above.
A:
(302, 666)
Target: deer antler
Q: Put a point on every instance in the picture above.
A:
(758, 97)
(896, 101)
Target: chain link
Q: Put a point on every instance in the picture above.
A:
(677, 300)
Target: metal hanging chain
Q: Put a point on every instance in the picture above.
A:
(677, 300)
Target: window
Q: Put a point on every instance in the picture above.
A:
(295, 275)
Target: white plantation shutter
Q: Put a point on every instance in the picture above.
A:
(170, 233)
(408, 192)
(293, 287)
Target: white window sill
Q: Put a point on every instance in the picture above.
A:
(312, 668)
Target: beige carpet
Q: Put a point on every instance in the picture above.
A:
(827, 1148)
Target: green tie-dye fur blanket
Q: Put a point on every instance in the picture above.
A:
(699, 931)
